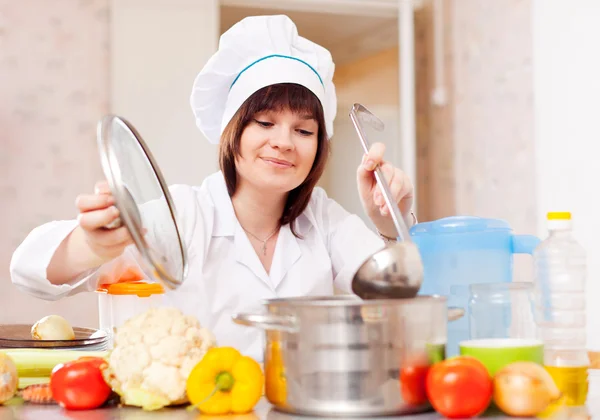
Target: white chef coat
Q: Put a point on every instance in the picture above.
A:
(225, 276)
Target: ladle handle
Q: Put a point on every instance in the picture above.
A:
(401, 228)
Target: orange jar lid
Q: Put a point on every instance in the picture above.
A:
(139, 288)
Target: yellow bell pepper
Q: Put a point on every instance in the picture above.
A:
(225, 382)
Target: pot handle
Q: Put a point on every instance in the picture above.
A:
(267, 321)
(455, 313)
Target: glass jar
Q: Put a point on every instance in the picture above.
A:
(502, 310)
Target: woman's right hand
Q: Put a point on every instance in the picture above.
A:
(95, 212)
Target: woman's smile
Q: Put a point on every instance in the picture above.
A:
(277, 163)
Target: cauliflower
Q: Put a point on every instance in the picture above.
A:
(153, 355)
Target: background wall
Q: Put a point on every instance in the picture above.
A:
(152, 73)
(566, 88)
(54, 85)
(493, 113)
(489, 120)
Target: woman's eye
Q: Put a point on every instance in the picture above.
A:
(264, 123)
(305, 132)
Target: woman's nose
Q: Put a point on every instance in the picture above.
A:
(282, 139)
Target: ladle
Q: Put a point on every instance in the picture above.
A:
(396, 271)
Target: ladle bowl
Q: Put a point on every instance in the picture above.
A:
(395, 272)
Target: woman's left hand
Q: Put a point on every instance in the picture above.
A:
(371, 197)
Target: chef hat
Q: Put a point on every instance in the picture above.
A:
(256, 52)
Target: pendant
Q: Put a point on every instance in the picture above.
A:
(265, 248)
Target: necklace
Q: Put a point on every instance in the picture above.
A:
(264, 241)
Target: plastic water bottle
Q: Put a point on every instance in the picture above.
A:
(560, 276)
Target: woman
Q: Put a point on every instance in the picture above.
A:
(257, 229)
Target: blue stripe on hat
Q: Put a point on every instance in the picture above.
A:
(279, 56)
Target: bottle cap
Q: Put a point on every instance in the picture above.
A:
(559, 215)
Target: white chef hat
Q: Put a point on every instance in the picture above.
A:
(256, 52)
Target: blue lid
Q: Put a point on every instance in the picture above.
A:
(459, 224)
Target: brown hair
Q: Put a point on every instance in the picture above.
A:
(277, 97)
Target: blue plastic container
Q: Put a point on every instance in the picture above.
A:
(460, 251)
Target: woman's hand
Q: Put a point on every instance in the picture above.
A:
(96, 211)
(371, 197)
(90, 245)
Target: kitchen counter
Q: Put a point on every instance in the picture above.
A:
(263, 411)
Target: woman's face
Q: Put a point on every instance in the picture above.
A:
(277, 150)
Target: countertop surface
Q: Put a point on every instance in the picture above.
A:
(263, 410)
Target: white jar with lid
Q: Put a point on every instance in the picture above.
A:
(121, 301)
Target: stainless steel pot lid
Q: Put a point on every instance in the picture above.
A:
(143, 199)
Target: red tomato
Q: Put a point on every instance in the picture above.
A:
(79, 385)
(459, 387)
(413, 383)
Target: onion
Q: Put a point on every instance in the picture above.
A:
(9, 378)
(52, 327)
(524, 389)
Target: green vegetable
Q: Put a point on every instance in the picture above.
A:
(25, 382)
(38, 363)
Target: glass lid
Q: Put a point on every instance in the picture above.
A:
(143, 199)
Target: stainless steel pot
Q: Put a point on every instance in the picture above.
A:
(343, 356)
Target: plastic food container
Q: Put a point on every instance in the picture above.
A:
(121, 301)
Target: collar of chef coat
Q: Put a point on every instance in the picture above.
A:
(287, 251)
